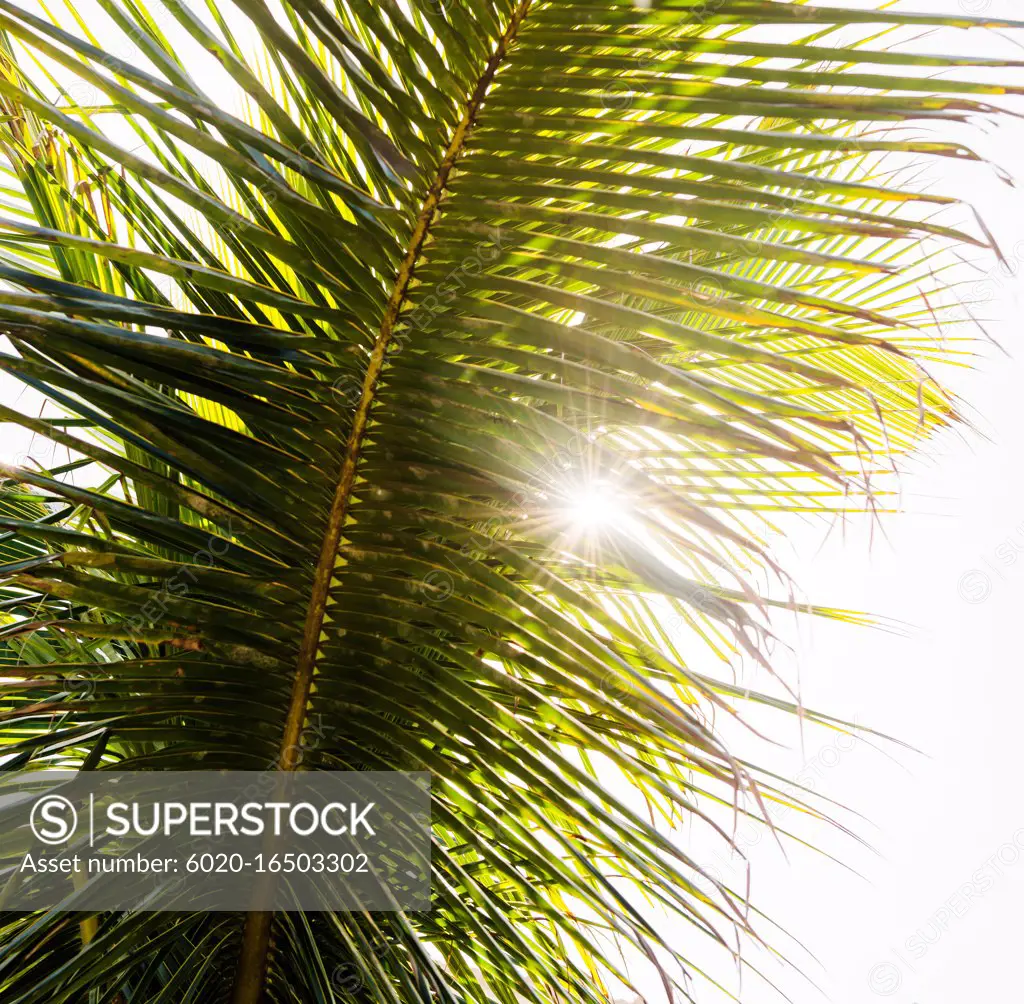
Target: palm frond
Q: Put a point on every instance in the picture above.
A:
(355, 308)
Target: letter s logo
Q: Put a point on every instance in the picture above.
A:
(53, 819)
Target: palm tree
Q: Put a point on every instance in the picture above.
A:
(455, 355)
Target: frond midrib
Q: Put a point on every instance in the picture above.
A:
(251, 973)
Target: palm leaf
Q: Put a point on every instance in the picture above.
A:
(350, 304)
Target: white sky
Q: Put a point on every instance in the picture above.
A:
(952, 567)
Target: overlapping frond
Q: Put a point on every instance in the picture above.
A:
(350, 304)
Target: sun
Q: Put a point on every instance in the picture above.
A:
(595, 505)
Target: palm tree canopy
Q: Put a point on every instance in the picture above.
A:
(436, 366)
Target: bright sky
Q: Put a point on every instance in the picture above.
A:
(935, 917)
